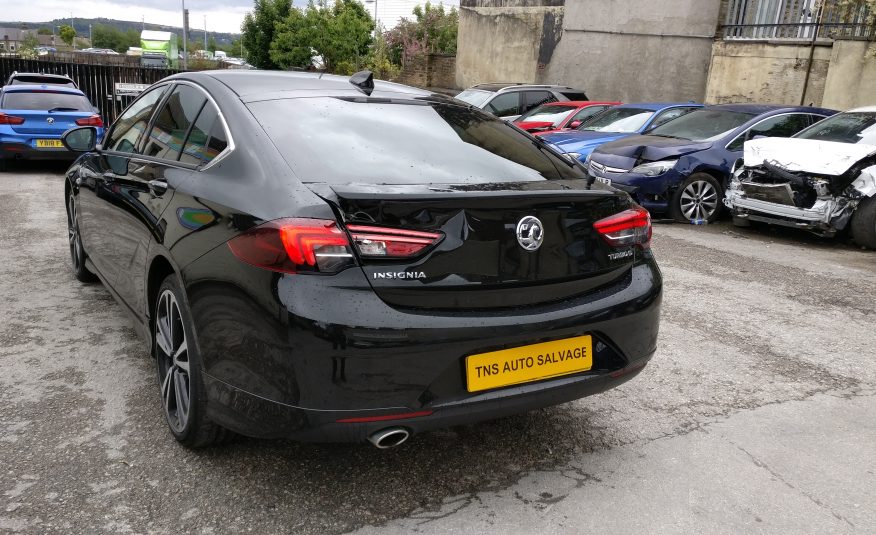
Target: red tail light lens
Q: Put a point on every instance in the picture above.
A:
(630, 227)
(295, 245)
(380, 242)
(94, 120)
(10, 119)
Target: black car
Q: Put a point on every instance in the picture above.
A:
(332, 259)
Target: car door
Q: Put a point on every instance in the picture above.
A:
(143, 183)
(96, 190)
(784, 125)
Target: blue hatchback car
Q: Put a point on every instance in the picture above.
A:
(615, 123)
(682, 168)
(33, 117)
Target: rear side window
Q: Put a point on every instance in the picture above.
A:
(132, 123)
(780, 126)
(533, 99)
(505, 104)
(172, 123)
(45, 100)
(206, 139)
(339, 141)
(574, 95)
(668, 115)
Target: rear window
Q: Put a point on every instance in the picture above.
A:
(375, 141)
(36, 79)
(45, 100)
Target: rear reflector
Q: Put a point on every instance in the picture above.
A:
(383, 418)
(294, 245)
(381, 242)
(94, 120)
(630, 227)
(10, 119)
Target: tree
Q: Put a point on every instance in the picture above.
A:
(340, 35)
(211, 45)
(432, 31)
(258, 30)
(103, 36)
(44, 31)
(29, 45)
(67, 34)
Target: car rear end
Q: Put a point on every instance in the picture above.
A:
(424, 288)
(33, 118)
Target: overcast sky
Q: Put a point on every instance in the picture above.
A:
(222, 15)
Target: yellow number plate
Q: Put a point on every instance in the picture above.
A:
(49, 144)
(528, 363)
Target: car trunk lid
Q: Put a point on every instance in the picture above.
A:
(46, 123)
(479, 262)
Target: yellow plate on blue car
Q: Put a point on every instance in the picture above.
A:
(528, 363)
(49, 144)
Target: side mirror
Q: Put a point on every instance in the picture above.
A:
(82, 139)
(575, 124)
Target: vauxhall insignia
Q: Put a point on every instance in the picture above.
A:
(530, 233)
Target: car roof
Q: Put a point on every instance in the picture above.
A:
(656, 106)
(865, 109)
(499, 86)
(763, 109)
(281, 84)
(41, 88)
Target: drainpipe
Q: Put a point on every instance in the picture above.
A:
(811, 54)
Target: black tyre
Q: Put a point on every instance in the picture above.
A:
(864, 223)
(77, 252)
(698, 197)
(181, 384)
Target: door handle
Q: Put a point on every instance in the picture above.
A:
(157, 187)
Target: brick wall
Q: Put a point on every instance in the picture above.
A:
(432, 70)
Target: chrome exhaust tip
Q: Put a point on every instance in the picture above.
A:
(389, 438)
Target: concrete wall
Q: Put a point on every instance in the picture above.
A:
(851, 80)
(505, 40)
(767, 72)
(636, 50)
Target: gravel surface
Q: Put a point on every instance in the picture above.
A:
(755, 416)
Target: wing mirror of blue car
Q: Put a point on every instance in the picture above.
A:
(82, 139)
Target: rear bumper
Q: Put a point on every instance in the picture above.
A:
(289, 355)
(25, 151)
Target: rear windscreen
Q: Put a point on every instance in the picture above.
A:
(45, 100)
(376, 141)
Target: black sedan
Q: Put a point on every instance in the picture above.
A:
(333, 259)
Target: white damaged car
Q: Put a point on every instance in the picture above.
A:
(823, 179)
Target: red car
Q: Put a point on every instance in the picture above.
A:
(560, 115)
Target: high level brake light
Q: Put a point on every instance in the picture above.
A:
(10, 119)
(630, 227)
(381, 242)
(94, 120)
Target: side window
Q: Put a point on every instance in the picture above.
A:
(172, 122)
(206, 139)
(780, 126)
(668, 115)
(130, 126)
(505, 104)
(531, 99)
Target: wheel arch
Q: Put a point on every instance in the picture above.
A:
(159, 269)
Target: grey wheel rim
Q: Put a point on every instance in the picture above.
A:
(699, 200)
(73, 237)
(173, 361)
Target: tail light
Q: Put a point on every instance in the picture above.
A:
(295, 245)
(94, 120)
(10, 119)
(630, 227)
(381, 242)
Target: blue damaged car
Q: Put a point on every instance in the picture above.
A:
(615, 123)
(681, 168)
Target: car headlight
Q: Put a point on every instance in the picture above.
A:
(654, 168)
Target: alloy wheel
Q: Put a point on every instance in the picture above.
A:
(173, 361)
(699, 200)
(73, 237)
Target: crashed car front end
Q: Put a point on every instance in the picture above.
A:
(813, 185)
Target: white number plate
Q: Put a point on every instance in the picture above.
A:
(603, 180)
